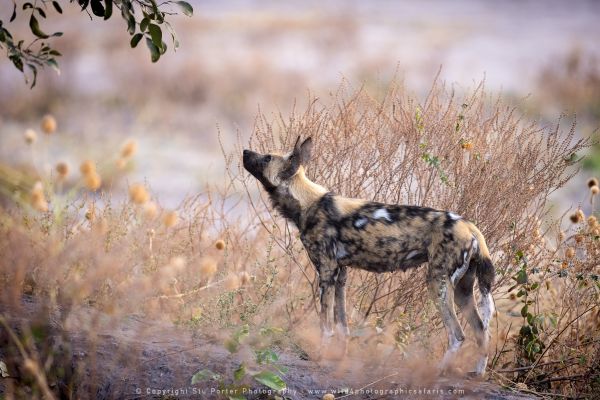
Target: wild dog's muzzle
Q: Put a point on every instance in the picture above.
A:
(253, 163)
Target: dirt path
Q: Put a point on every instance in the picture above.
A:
(135, 358)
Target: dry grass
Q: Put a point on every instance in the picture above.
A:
(222, 259)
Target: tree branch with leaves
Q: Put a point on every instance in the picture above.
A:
(144, 19)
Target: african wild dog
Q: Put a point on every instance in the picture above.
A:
(340, 232)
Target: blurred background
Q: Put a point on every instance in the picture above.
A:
(239, 56)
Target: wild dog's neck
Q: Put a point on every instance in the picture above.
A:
(304, 190)
(298, 196)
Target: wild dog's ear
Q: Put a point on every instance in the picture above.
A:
(300, 155)
(303, 151)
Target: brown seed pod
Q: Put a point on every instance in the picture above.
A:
(208, 267)
(48, 124)
(30, 136)
(62, 168)
(570, 252)
(129, 149)
(93, 181)
(170, 219)
(138, 194)
(87, 167)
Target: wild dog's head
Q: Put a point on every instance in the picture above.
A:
(274, 170)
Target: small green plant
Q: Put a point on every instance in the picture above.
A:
(529, 341)
(265, 368)
(435, 162)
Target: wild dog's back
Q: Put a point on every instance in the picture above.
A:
(373, 236)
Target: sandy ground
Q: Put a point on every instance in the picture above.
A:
(138, 358)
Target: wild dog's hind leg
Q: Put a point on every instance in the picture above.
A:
(443, 297)
(340, 317)
(463, 297)
(485, 278)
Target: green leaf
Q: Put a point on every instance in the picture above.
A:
(144, 24)
(41, 12)
(108, 7)
(173, 35)
(524, 311)
(33, 69)
(521, 276)
(35, 28)
(186, 8)
(231, 345)
(14, 13)
(154, 52)
(240, 372)
(97, 8)
(205, 374)
(126, 14)
(519, 255)
(266, 356)
(54, 53)
(52, 63)
(271, 380)
(83, 3)
(155, 34)
(136, 39)
(57, 34)
(57, 7)
(155, 11)
(530, 319)
(242, 333)
(17, 61)
(271, 331)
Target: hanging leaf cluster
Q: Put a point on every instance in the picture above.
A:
(144, 19)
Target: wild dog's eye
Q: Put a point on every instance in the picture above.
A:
(268, 158)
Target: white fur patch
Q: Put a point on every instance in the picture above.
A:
(382, 213)
(340, 251)
(481, 364)
(475, 244)
(453, 216)
(343, 330)
(359, 223)
(411, 254)
(486, 307)
(460, 272)
(453, 346)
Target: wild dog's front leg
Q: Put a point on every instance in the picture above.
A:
(328, 270)
(340, 317)
(327, 290)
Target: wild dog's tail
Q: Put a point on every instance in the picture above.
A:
(483, 263)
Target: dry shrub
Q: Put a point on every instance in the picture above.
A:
(475, 156)
(471, 154)
(222, 258)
